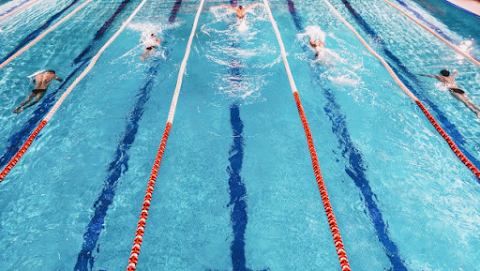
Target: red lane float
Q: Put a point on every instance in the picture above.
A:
(342, 255)
(133, 260)
(137, 243)
(450, 142)
(337, 238)
(22, 150)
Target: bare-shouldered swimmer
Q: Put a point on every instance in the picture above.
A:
(318, 46)
(150, 43)
(42, 81)
(241, 12)
(450, 83)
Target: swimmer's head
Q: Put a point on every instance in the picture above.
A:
(240, 7)
(51, 71)
(444, 72)
(152, 35)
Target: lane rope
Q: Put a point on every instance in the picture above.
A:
(15, 11)
(429, 116)
(355, 168)
(135, 252)
(467, 56)
(37, 39)
(50, 114)
(337, 238)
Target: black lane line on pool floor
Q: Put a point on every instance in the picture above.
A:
(37, 32)
(119, 165)
(357, 167)
(237, 189)
(16, 141)
(449, 127)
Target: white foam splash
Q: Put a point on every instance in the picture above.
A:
(313, 31)
(242, 26)
(343, 80)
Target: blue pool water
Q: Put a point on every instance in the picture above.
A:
(236, 189)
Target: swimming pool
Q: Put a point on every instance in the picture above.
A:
(236, 189)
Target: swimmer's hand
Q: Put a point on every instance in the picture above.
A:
(18, 110)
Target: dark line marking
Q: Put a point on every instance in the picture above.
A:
(175, 9)
(100, 32)
(238, 191)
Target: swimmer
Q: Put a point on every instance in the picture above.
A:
(150, 44)
(42, 81)
(240, 11)
(450, 83)
(318, 46)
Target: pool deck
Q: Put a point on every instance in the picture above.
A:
(470, 5)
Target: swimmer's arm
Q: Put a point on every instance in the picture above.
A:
(228, 7)
(455, 74)
(252, 6)
(58, 79)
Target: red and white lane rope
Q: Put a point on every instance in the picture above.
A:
(47, 118)
(37, 39)
(15, 11)
(337, 238)
(133, 260)
(429, 116)
(467, 56)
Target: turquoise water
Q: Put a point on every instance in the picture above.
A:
(402, 199)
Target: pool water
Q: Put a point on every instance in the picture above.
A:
(236, 189)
